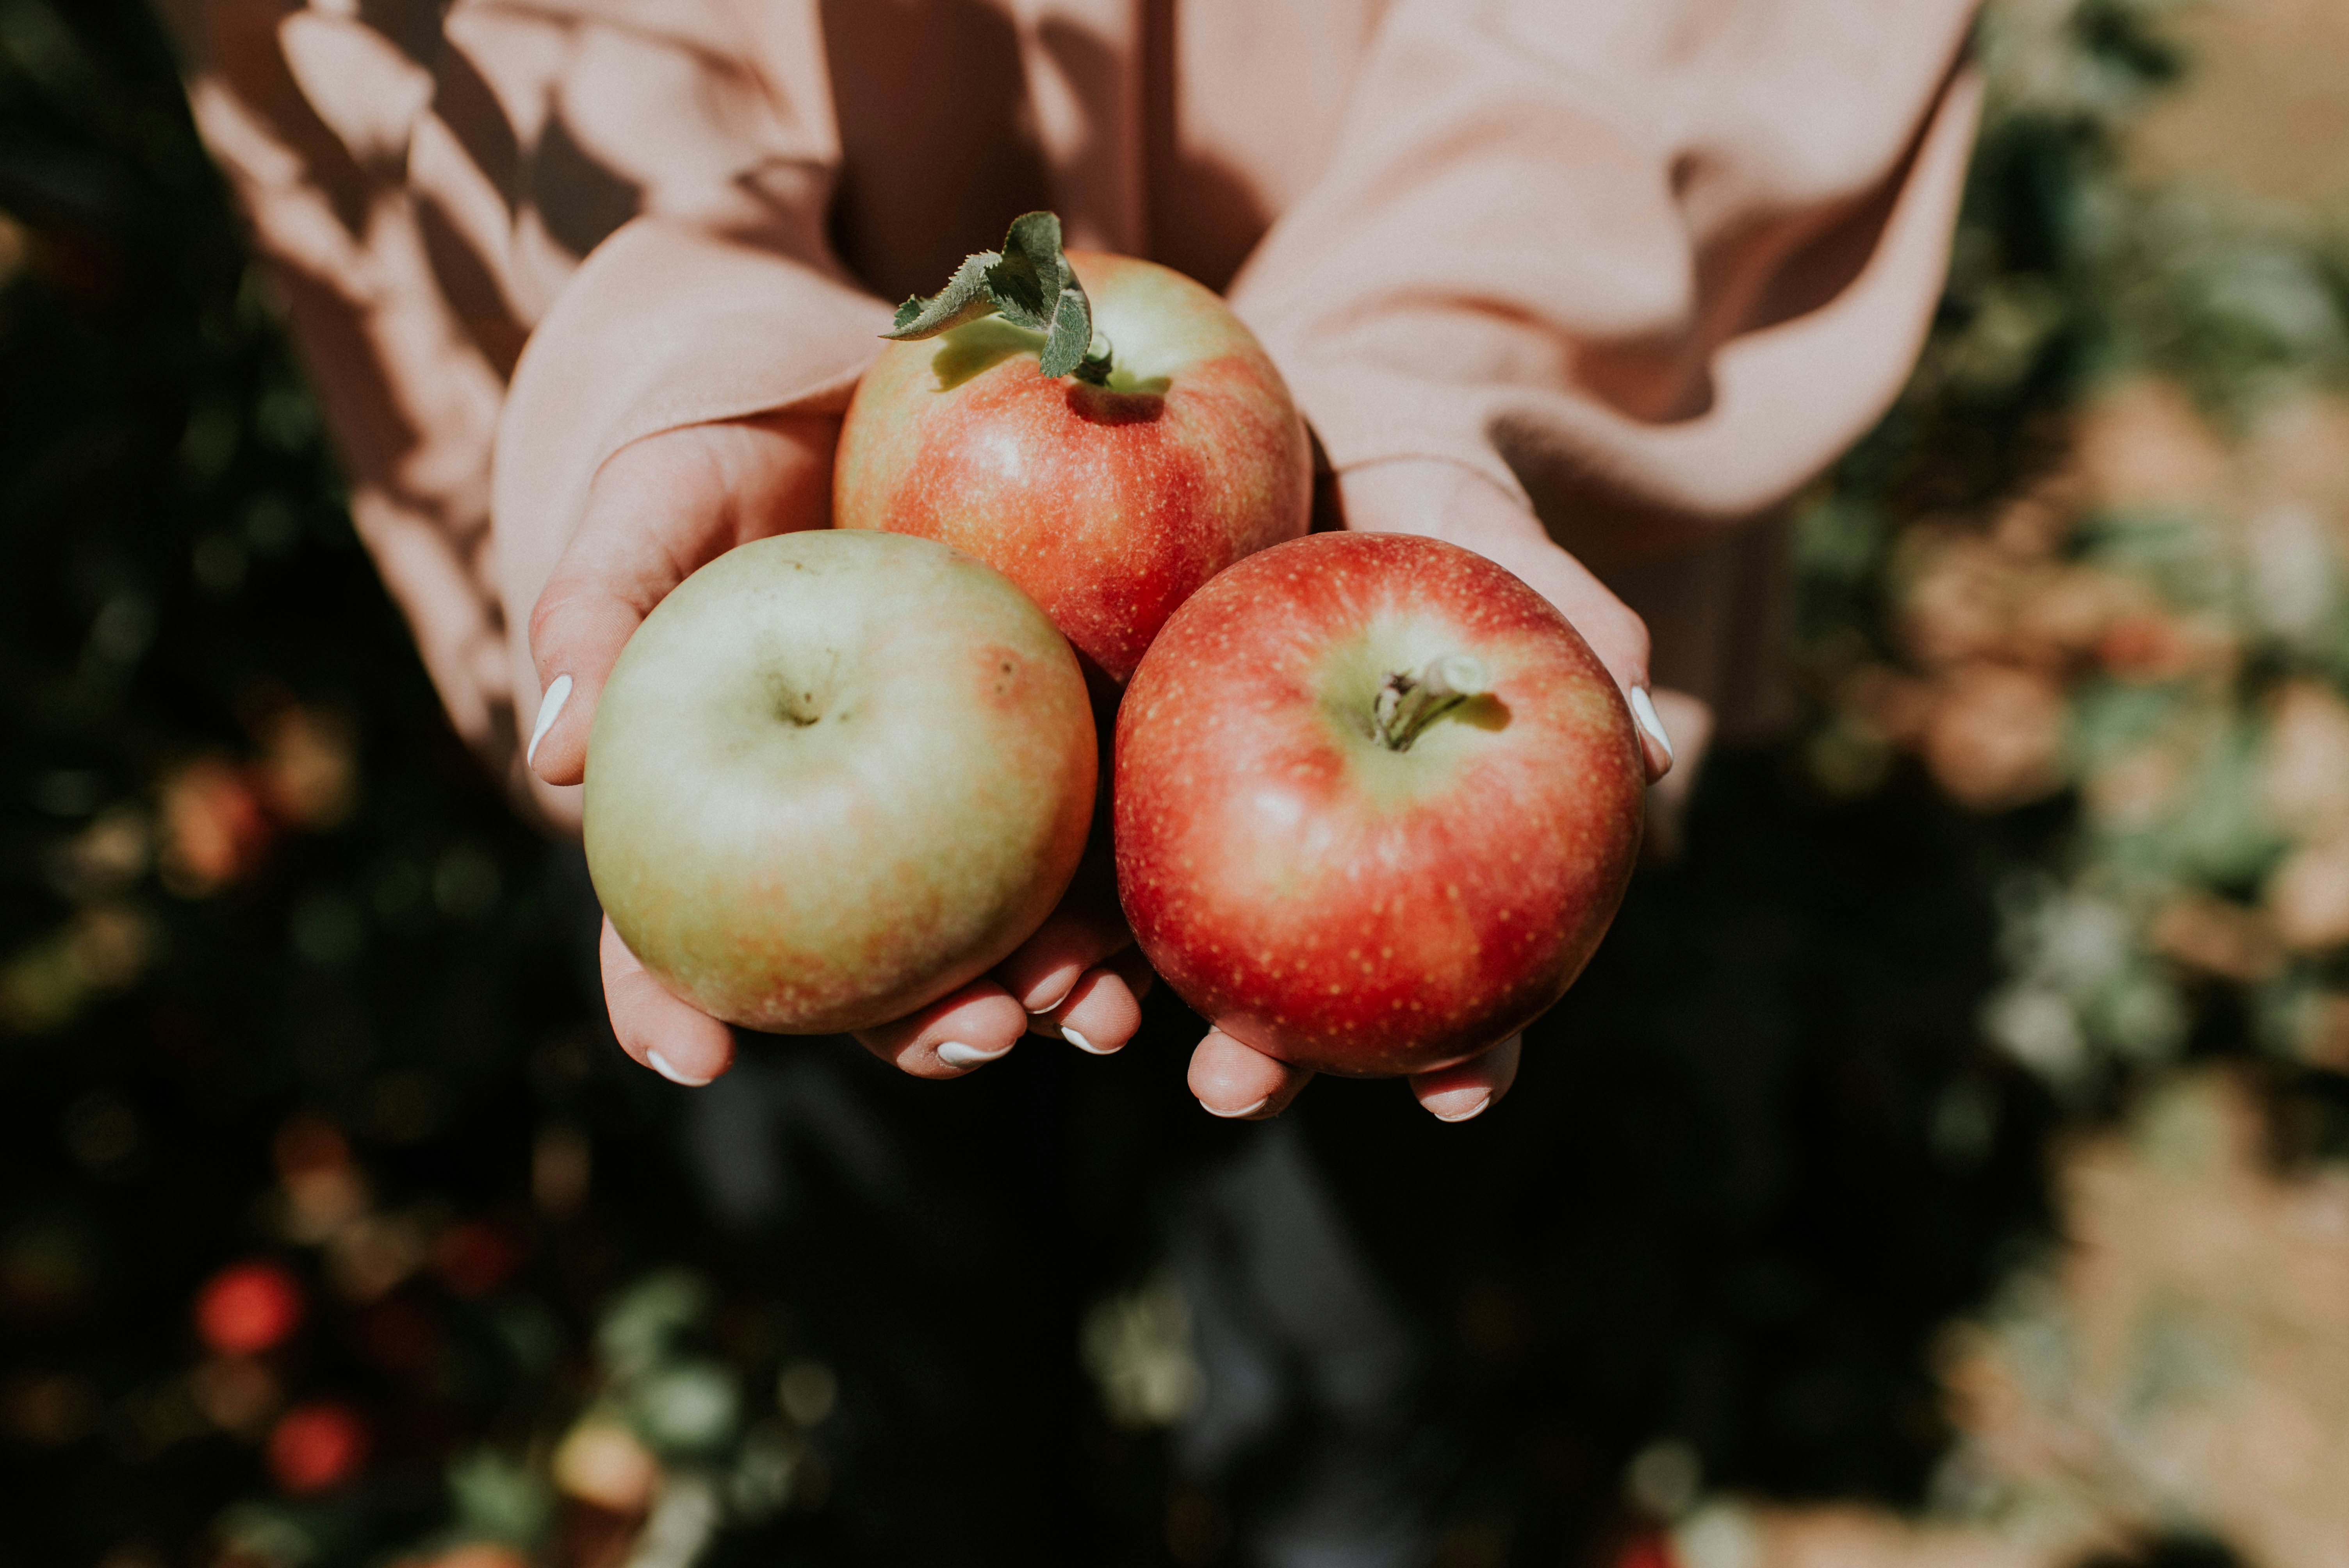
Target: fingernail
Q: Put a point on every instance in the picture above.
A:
(1236, 1115)
(1476, 1109)
(954, 1054)
(1082, 1044)
(1643, 713)
(550, 708)
(1043, 1008)
(660, 1064)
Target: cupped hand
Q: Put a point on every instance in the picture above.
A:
(1460, 506)
(660, 508)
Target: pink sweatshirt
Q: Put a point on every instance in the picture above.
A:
(1650, 264)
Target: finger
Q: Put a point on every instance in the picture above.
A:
(1100, 1016)
(1240, 1083)
(659, 509)
(675, 1039)
(1046, 970)
(957, 1034)
(1134, 969)
(1083, 930)
(1467, 1090)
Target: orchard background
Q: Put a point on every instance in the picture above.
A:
(1959, 1127)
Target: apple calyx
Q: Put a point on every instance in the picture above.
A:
(1027, 283)
(1411, 700)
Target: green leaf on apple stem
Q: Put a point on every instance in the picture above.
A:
(965, 298)
(1065, 350)
(1027, 282)
(1030, 284)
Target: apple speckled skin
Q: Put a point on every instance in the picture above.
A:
(1331, 902)
(1109, 505)
(836, 775)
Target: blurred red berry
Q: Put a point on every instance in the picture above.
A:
(214, 827)
(1647, 1549)
(248, 1308)
(316, 1446)
(475, 1258)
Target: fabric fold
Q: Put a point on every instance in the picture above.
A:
(1648, 266)
(1609, 269)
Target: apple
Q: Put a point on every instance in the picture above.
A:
(1111, 455)
(1375, 803)
(833, 776)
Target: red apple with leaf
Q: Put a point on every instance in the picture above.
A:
(1375, 802)
(1102, 430)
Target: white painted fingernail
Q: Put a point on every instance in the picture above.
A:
(660, 1064)
(1476, 1109)
(1056, 1002)
(1082, 1044)
(1236, 1115)
(550, 708)
(1643, 713)
(954, 1054)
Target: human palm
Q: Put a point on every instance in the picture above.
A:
(666, 505)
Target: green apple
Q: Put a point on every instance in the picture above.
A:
(836, 775)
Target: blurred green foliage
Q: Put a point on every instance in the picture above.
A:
(2095, 564)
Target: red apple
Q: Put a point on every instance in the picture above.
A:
(1111, 493)
(1375, 803)
(248, 1307)
(833, 776)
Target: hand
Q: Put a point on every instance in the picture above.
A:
(659, 510)
(1443, 500)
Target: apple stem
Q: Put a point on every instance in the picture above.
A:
(1411, 700)
(1028, 283)
(1099, 361)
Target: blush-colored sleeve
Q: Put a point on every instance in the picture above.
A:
(681, 317)
(508, 240)
(1650, 264)
(310, 114)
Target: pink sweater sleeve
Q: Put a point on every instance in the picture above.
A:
(684, 317)
(509, 239)
(1650, 264)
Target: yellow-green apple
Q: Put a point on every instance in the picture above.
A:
(836, 775)
(1375, 803)
(1102, 430)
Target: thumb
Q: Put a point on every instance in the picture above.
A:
(659, 509)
